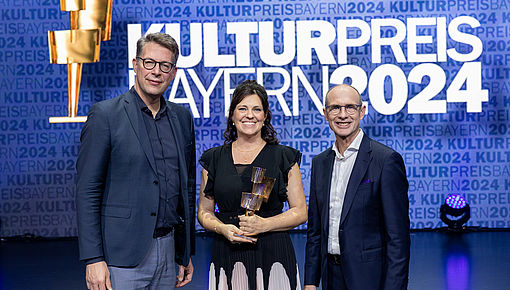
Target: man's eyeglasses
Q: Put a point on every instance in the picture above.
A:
(164, 66)
(350, 109)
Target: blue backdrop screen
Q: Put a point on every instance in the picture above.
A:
(434, 75)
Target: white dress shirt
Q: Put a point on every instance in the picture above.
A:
(342, 170)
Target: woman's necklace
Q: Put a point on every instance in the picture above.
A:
(246, 156)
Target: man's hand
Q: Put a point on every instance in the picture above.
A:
(185, 274)
(98, 276)
(310, 287)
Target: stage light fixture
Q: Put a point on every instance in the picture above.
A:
(455, 212)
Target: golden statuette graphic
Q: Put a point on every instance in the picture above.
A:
(91, 22)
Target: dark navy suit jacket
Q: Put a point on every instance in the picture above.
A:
(117, 191)
(374, 225)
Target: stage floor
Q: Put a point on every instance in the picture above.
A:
(470, 261)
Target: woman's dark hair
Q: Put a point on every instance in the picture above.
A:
(247, 88)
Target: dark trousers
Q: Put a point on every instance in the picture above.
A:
(335, 277)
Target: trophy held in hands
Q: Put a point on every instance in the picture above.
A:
(262, 187)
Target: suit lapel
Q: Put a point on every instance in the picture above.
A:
(326, 181)
(134, 115)
(358, 171)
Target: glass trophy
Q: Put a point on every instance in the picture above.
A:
(251, 202)
(262, 187)
(257, 174)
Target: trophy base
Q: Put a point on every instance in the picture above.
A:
(77, 119)
(246, 237)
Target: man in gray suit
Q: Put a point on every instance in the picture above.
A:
(136, 181)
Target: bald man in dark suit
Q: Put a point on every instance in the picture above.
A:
(358, 225)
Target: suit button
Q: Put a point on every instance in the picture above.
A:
(153, 214)
(155, 182)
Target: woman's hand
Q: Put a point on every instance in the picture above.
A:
(210, 222)
(253, 225)
(231, 233)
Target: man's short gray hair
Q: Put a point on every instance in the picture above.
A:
(162, 39)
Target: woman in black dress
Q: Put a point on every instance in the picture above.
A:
(250, 141)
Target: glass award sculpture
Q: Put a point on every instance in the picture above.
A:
(262, 187)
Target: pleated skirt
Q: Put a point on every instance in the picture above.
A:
(270, 264)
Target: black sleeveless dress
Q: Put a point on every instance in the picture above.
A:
(271, 262)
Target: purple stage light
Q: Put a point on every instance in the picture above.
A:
(456, 201)
(457, 271)
(455, 212)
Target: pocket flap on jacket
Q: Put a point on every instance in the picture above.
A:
(116, 211)
(365, 186)
(372, 254)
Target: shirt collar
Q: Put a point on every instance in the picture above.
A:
(353, 147)
(143, 107)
